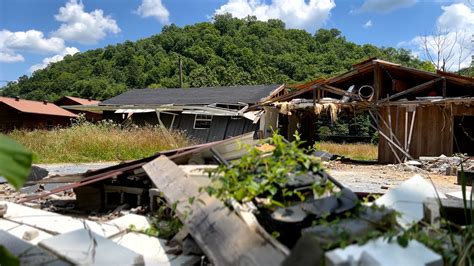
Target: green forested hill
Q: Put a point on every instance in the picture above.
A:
(227, 51)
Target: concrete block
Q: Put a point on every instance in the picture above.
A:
(54, 223)
(87, 248)
(152, 249)
(7, 225)
(30, 234)
(407, 198)
(431, 213)
(381, 252)
(28, 253)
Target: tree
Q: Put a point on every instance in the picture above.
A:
(446, 49)
(227, 51)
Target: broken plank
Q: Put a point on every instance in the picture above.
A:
(220, 233)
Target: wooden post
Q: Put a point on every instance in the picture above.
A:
(413, 115)
(292, 125)
(379, 129)
(405, 135)
(444, 87)
(377, 81)
(180, 72)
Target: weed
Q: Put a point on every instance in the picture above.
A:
(103, 141)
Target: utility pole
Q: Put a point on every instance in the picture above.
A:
(180, 72)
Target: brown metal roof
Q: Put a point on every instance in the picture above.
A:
(81, 101)
(34, 107)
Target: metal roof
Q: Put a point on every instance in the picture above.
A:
(34, 107)
(206, 95)
(80, 101)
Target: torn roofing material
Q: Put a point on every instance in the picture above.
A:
(205, 95)
(34, 107)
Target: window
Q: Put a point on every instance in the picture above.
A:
(49, 124)
(202, 121)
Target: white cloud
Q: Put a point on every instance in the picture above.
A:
(55, 58)
(386, 5)
(83, 27)
(295, 13)
(454, 30)
(456, 17)
(30, 41)
(154, 8)
(367, 25)
(8, 57)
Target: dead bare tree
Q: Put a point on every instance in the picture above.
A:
(464, 48)
(439, 48)
(446, 49)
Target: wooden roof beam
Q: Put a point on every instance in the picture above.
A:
(337, 91)
(415, 89)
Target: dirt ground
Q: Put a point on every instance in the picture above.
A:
(379, 178)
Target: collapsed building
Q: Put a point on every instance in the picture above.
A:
(207, 114)
(417, 113)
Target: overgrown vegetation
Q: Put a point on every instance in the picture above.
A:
(266, 172)
(104, 141)
(356, 151)
(165, 224)
(227, 51)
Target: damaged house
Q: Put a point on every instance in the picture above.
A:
(70, 100)
(417, 113)
(16, 113)
(207, 114)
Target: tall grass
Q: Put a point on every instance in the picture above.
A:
(356, 151)
(86, 142)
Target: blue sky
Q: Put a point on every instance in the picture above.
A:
(34, 33)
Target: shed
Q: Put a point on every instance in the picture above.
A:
(19, 113)
(417, 113)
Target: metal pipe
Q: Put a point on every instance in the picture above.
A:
(346, 99)
(366, 93)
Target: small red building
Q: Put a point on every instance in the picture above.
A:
(74, 101)
(19, 113)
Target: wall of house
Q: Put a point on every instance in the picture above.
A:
(432, 133)
(222, 127)
(11, 119)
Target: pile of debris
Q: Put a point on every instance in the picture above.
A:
(219, 203)
(442, 165)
